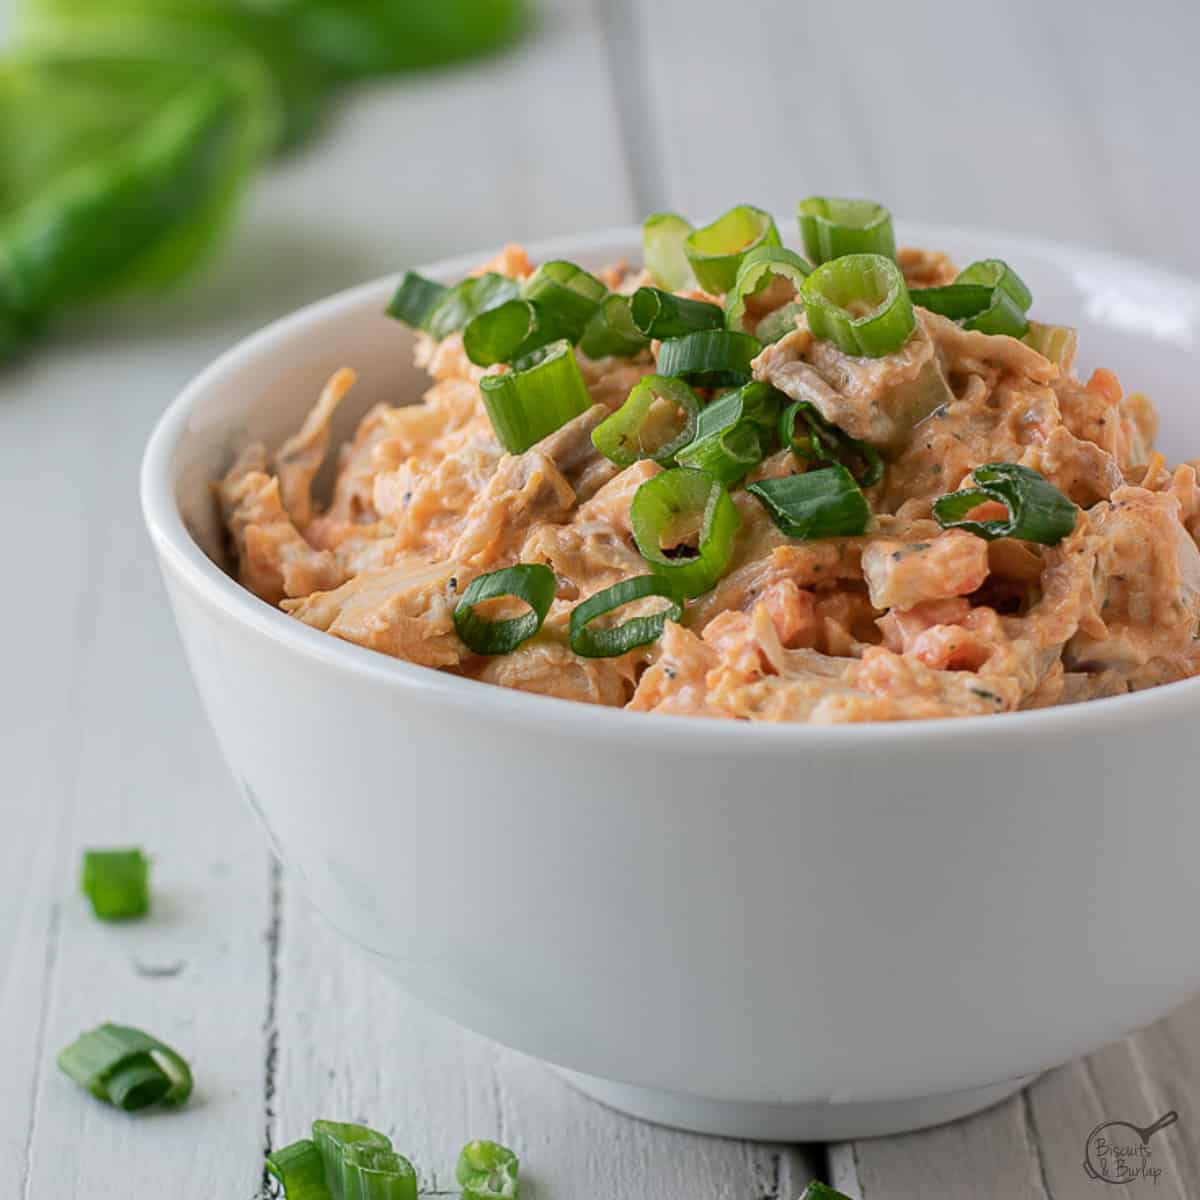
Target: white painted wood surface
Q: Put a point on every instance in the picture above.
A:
(1068, 120)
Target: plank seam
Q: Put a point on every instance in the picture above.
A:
(274, 942)
(1033, 1141)
(49, 963)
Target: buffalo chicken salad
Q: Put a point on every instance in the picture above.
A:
(853, 484)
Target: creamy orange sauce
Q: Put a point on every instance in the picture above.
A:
(907, 621)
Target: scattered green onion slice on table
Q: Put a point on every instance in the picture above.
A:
(709, 357)
(656, 421)
(762, 269)
(716, 251)
(673, 506)
(1037, 510)
(415, 299)
(832, 226)
(466, 300)
(637, 631)
(376, 1173)
(1058, 343)
(127, 1068)
(663, 235)
(300, 1170)
(861, 304)
(567, 293)
(539, 395)
(817, 504)
(117, 883)
(822, 1191)
(826, 443)
(487, 1171)
(611, 331)
(533, 583)
(659, 314)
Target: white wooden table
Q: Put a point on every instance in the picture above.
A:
(1071, 121)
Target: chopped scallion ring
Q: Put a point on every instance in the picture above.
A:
(415, 299)
(832, 227)
(1057, 343)
(611, 331)
(539, 395)
(487, 1171)
(659, 314)
(716, 251)
(709, 357)
(817, 504)
(466, 300)
(994, 272)
(567, 294)
(656, 421)
(861, 304)
(672, 508)
(127, 1068)
(988, 297)
(822, 1191)
(826, 443)
(663, 235)
(1037, 510)
(734, 433)
(533, 583)
(506, 332)
(300, 1171)
(769, 279)
(637, 631)
(117, 883)
(375, 1173)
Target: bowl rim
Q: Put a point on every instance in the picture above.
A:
(178, 550)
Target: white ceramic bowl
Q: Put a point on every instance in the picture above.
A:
(770, 931)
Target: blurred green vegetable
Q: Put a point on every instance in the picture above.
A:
(115, 171)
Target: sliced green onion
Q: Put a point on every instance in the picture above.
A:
(487, 1171)
(663, 235)
(117, 883)
(817, 504)
(533, 583)
(716, 251)
(637, 631)
(567, 294)
(539, 395)
(734, 433)
(300, 1170)
(832, 227)
(611, 331)
(1037, 510)
(1058, 343)
(1010, 299)
(860, 303)
(334, 1140)
(709, 358)
(656, 421)
(822, 1191)
(762, 269)
(508, 332)
(994, 272)
(673, 506)
(415, 299)
(127, 1068)
(957, 301)
(826, 443)
(375, 1173)
(659, 314)
(779, 323)
(467, 299)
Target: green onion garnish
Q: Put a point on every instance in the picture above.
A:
(663, 235)
(672, 508)
(637, 631)
(657, 420)
(734, 433)
(1058, 343)
(988, 296)
(1037, 510)
(860, 303)
(822, 442)
(832, 227)
(994, 272)
(611, 331)
(487, 1171)
(127, 1068)
(300, 1171)
(375, 1173)
(659, 314)
(506, 332)
(567, 294)
(822, 1191)
(761, 269)
(709, 358)
(466, 300)
(357, 1163)
(117, 883)
(539, 395)
(415, 299)
(817, 504)
(531, 582)
(716, 251)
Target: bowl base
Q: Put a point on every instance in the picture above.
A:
(809, 1122)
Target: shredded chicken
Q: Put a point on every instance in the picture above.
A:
(906, 620)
